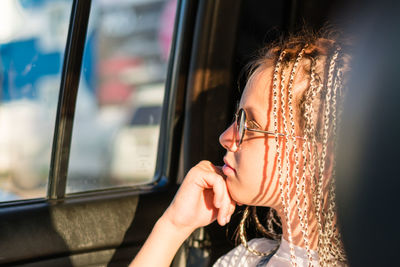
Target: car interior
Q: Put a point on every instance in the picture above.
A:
(211, 43)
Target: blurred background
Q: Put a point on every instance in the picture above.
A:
(120, 95)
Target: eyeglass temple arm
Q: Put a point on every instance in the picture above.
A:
(269, 132)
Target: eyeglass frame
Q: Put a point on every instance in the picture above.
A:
(246, 128)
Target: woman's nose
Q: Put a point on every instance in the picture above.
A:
(227, 139)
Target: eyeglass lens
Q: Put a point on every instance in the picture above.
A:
(240, 126)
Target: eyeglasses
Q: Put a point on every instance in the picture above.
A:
(241, 127)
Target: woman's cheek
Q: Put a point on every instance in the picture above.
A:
(231, 187)
(240, 192)
(236, 190)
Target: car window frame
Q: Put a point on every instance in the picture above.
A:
(70, 75)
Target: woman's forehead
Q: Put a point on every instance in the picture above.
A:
(257, 88)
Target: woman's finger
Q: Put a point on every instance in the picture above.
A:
(232, 207)
(218, 189)
(217, 183)
(224, 212)
(221, 199)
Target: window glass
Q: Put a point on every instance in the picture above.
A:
(32, 43)
(118, 110)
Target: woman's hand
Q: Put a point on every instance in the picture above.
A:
(202, 198)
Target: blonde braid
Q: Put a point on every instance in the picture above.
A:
(275, 104)
(310, 133)
(286, 203)
(273, 215)
(341, 253)
(323, 248)
(271, 219)
(303, 218)
(243, 239)
(271, 233)
(310, 126)
(336, 246)
(329, 228)
(286, 209)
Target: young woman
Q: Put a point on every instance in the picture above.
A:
(279, 154)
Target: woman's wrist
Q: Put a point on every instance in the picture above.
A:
(170, 222)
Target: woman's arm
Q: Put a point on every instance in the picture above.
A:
(162, 244)
(201, 199)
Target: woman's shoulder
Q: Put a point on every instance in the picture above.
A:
(240, 256)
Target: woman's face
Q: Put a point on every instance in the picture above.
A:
(250, 173)
(251, 170)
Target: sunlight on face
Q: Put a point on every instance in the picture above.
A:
(252, 173)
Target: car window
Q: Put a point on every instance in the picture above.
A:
(32, 43)
(120, 96)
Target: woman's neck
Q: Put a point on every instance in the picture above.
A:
(304, 232)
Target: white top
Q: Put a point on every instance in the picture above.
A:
(240, 256)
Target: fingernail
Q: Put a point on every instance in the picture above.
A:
(228, 218)
(223, 221)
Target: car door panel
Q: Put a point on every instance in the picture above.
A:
(82, 231)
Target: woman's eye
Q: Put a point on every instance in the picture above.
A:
(253, 125)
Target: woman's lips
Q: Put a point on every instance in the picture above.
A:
(228, 170)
